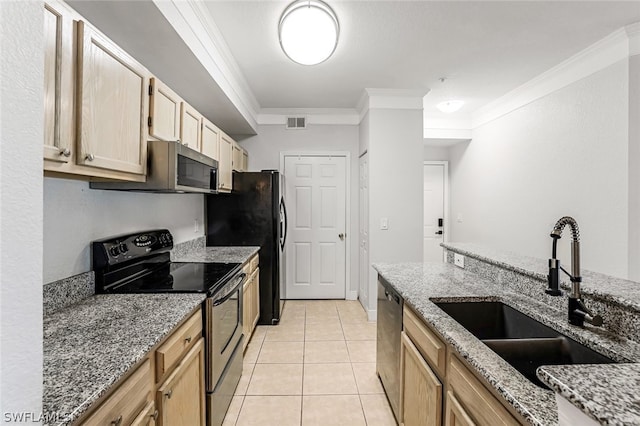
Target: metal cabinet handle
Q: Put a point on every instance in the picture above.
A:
(66, 152)
(169, 393)
(188, 339)
(90, 157)
(117, 421)
(341, 236)
(155, 415)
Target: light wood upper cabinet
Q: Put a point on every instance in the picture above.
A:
(164, 111)
(245, 161)
(112, 105)
(210, 139)
(237, 158)
(225, 173)
(190, 126)
(421, 391)
(180, 399)
(58, 82)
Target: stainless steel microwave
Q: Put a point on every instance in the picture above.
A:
(172, 168)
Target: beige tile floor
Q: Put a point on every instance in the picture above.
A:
(317, 367)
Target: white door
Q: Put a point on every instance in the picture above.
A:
(434, 177)
(316, 203)
(363, 293)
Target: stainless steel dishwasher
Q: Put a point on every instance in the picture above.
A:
(388, 344)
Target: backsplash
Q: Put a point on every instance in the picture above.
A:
(525, 275)
(182, 249)
(67, 291)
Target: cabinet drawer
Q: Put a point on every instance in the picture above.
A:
(477, 401)
(176, 345)
(255, 261)
(430, 345)
(127, 401)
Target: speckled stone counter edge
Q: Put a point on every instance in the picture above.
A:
(620, 316)
(59, 294)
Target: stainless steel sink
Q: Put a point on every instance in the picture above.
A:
(520, 340)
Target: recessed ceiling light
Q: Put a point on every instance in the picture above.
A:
(308, 31)
(450, 106)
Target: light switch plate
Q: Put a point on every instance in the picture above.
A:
(384, 223)
(458, 260)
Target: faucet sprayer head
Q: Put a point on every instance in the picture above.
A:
(561, 223)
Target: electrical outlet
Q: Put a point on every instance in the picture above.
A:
(458, 260)
(459, 218)
(196, 226)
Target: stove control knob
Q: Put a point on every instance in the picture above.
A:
(123, 248)
(114, 251)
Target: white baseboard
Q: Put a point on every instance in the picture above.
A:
(372, 314)
(352, 295)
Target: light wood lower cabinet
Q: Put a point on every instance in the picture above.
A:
(148, 416)
(421, 391)
(250, 299)
(128, 400)
(180, 399)
(429, 369)
(456, 416)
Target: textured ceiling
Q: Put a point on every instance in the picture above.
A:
(485, 49)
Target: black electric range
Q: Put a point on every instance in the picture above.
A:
(140, 263)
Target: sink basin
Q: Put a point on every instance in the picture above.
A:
(520, 340)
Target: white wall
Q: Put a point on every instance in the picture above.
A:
(21, 135)
(564, 154)
(75, 215)
(634, 167)
(395, 188)
(264, 153)
(435, 153)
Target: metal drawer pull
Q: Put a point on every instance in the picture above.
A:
(188, 339)
(169, 393)
(66, 152)
(117, 421)
(155, 415)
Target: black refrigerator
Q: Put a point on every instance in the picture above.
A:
(254, 214)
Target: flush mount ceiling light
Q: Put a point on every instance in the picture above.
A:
(450, 106)
(308, 31)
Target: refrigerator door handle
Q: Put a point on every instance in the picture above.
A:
(283, 224)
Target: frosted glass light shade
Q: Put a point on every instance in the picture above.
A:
(450, 106)
(308, 31)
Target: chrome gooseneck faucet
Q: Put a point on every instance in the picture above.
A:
(578, 312)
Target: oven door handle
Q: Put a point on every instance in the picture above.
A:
(239, 281)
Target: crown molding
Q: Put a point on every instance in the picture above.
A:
(192, 21)
(390, 99)
(615, 47)
(447, 128)
(321, 116)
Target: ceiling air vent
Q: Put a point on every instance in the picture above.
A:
(296, 122)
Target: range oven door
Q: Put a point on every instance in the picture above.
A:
(223, 327)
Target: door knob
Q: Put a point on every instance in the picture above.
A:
(341, 236)
(438, 232)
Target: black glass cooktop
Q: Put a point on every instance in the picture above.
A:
(177, 277)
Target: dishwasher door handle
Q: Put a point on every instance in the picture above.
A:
(392, 297)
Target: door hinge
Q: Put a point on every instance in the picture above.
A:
(150, 90)
(149, 121)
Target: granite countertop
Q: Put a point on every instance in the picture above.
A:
(607, 393)
(420, 283)
(216, 254)
(90, 345)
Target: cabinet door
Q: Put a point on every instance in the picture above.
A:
(112, 105)
(421, 398)
(224, 163)
(58, 82)
(147, 417)
(456, 416)
(255, 299)
(180, 399)
(164, 111)
(210, 139)
(190, 126)
(237, 158)
(245, 161)
(247, 304)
